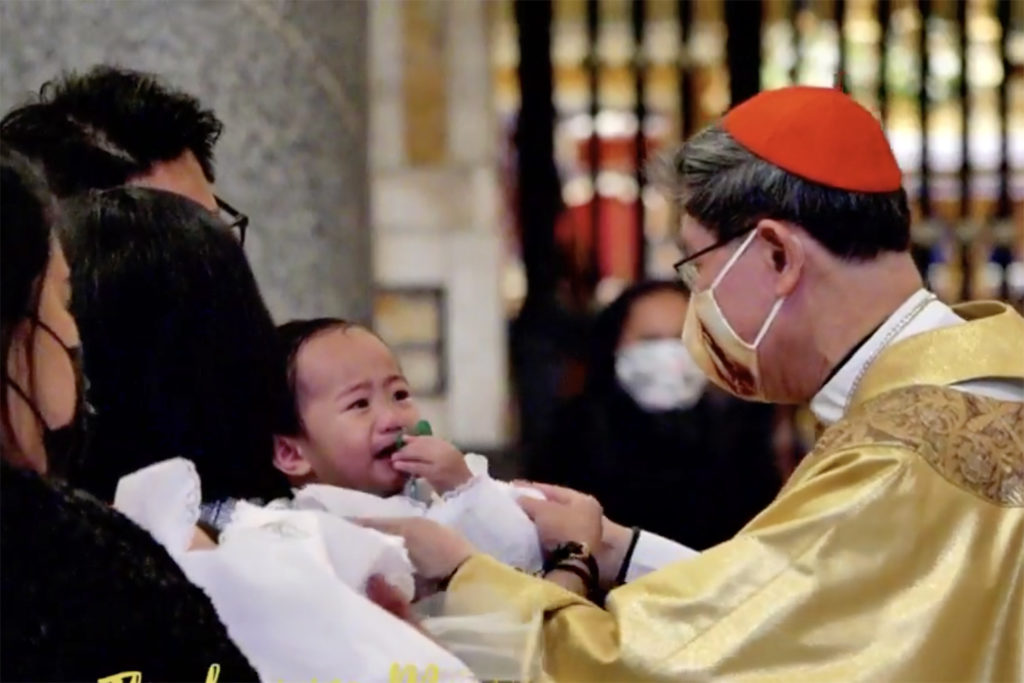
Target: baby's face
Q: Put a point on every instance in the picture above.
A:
(354, 402)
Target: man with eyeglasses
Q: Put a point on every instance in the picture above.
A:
(111, 127)
(896, 550)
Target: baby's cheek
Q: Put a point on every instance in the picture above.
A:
(362, 463)
(353, 464)
(412, 413)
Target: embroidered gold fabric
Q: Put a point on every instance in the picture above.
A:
(894, 553)
(975, 442)
(990, 345)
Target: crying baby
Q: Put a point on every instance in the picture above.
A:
(352, 443)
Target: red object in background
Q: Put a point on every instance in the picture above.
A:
(618, 221)
(616, 235)
(618, 152)
(616, 238)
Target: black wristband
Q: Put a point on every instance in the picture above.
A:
(580, 552)
(628, 557)
(561, 552)
(595, 571)
(588, 579)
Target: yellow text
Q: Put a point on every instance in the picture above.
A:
(212, 675)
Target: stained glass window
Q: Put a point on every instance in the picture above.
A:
(778, 44)
(817, 43)
(862, 43)
(632, 77)
(663, 53)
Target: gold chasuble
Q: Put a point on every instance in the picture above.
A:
(894, 553)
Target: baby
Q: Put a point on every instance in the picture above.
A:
(346, 440)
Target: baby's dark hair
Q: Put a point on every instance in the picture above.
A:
(291, 337)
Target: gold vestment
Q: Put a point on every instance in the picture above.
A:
(894, 553)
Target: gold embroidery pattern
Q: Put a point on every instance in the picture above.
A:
(977, 443)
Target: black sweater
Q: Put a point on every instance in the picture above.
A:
(86, 594)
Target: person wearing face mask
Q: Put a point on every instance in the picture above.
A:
(85, 593)
(650, 440)
(895, 551)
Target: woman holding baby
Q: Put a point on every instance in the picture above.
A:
(164, 275)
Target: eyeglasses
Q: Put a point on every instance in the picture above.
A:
(235, 219)
(686, 269)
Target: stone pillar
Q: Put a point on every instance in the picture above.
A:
(289, 80)
(436, 204)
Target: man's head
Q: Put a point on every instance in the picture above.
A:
(111, 127)
(796, 232)
(348, 403)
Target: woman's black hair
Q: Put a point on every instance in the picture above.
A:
(26, 219)
(179, 345)
(607, 330)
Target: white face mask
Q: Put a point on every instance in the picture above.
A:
(660, 375)
(728, 361)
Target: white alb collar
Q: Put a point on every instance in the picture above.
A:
(925, 313)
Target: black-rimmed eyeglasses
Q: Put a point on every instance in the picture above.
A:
(235, 219)
(686, 269)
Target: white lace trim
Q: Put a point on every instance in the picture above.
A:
(194, 495)
(465, 486)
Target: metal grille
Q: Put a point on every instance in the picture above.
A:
(630, 77)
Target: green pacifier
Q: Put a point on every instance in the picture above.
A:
(421, 428)
(412, 488)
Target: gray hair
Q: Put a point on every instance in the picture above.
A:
(728, 189)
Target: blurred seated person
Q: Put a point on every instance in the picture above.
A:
(648, 438)
(85, 592)
(180, 352)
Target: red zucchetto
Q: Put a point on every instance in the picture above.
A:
(820, 134)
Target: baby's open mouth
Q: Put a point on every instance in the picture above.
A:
(386, 452)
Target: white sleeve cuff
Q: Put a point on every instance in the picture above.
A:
(163, 499)
(653, 552)
(485, 511)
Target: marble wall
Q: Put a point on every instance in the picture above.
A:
(359, 137)
(289, 80)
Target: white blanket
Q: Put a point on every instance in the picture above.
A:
(288, 584)
(483, 510)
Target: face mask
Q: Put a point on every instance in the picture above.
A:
(64, 445)
(728, 361)
(660, 375)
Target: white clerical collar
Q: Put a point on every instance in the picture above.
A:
(922, 312)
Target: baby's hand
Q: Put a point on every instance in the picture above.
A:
(434, 459)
